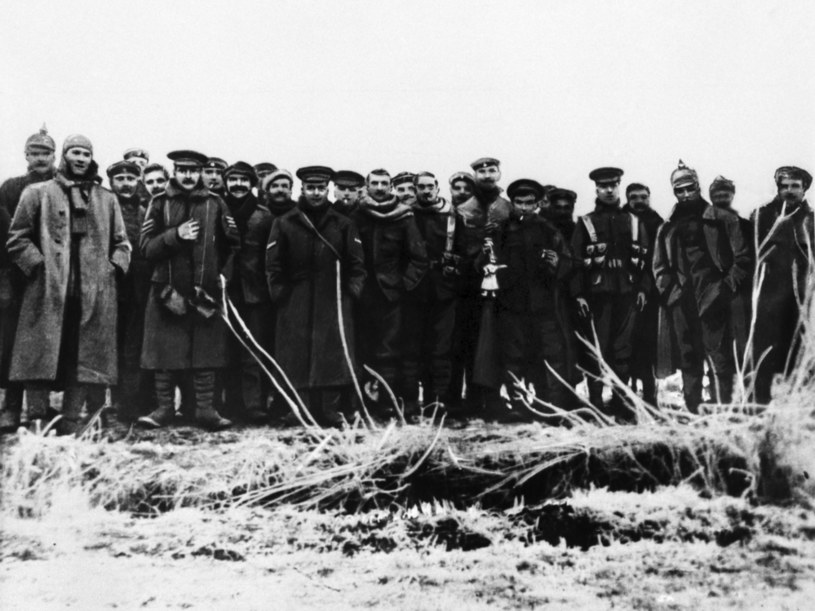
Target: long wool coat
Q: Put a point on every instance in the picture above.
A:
(729, 255)
(40, 245)
(301, 272)
(187, 341)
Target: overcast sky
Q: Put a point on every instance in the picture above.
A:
(553, 89)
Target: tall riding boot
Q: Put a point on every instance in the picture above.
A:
(165, 400)
(12, 407)
(330, 399)
(596, 394)
(205, 414)
(72, 401)
(649, 389)
(721, 388)
(692, 389)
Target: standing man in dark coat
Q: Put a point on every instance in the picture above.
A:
(785, 240)
(722, 193)
(700, 261)
(190, 237)
(347, 187)
(532, 318)
(611, 288)
(39, 155)
(246, 389)
(481, 217)
(307, 248)
(644, 357)
(69, 240)
(133, 395)
(430, 309)
(395, 263)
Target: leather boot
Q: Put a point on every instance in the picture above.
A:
(165, 399)
(12, 408)
(72, 401)
(596, 394)
(205, 414)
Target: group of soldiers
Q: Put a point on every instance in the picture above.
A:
(387, 295)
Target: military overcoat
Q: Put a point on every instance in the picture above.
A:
(186, 341)
(40, 245)
(301, 268)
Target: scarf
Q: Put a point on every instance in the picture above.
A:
(279, 209)
(78, 189)
(389, 210)
(440, 206)
(242, 208)
(686, 210)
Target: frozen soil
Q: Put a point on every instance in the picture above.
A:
(667, 548)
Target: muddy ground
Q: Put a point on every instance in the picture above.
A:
(667, 548)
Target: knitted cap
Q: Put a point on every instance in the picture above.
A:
(77, 140)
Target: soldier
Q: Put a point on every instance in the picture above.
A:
(461, 188)
(560, 211)
(611, 288)
(155, 177)
(213, 176)
(69, 240)
(700, 260)
(430, 309)
(347, 186)
(395, 262)
(784, 234)
(262, 170)
(39, 155)
(307, 248)
(722, 193)
(644, 358)
(276, 191)
(404, 189)
(246, 390)
(532, 318)
(141, 158)
(188, 235)
(133, 395)
(481, 217)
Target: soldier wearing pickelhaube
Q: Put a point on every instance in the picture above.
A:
(785, 237)
(700, 262)
(611, 288)
(188, 234)
(39, 155)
